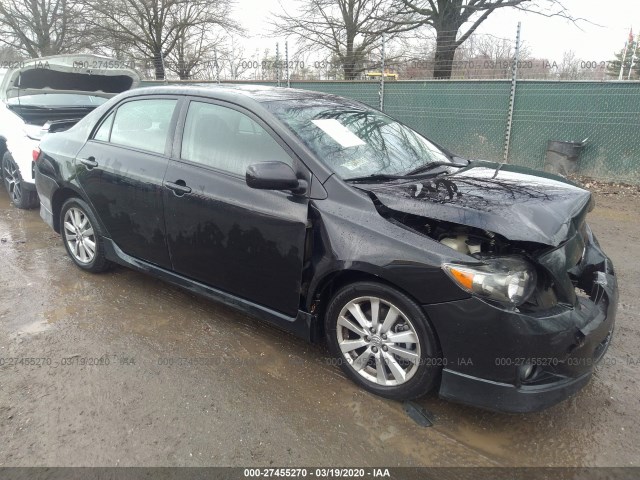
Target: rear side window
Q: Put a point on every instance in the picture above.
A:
(105, 129)
(143, 124)
(227, 140)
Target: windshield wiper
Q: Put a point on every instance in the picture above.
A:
(380, 177)
(422, 171)
(432, 165)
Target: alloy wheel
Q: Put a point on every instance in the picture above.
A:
(12, 180)
(378, 341)
(79, 235)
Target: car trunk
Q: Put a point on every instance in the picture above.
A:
(63, 74)
(40, 116)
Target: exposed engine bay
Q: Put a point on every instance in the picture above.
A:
(466, 240)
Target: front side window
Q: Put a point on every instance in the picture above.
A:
(143, 124)
(227, 140)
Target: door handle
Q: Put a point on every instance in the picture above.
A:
(179, 187)
(90, 162)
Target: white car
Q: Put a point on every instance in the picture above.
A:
(46, 95)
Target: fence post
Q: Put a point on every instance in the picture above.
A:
(381, 91)
(286, 61)
(512, 97)
(278, 64)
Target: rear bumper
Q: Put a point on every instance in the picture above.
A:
(486, 351)
(46, 187)
(46, 215)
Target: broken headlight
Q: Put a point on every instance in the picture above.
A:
(509, 280)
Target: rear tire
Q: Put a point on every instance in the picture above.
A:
(383, 340)
(21, 197)
(82, 236)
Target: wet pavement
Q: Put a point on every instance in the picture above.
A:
(122, 369)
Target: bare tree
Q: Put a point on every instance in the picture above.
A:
(152, 29)
(193, 55)
(41, 28)
(448, 17)
(487, 56)
(233, 60)
(482, 56)
(9, 54)
(569, 68)
(349, 30)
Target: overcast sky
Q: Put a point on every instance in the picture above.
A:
(545, 37)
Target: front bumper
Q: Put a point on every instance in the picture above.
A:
(487, 351)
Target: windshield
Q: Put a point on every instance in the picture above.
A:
(354, 140)
(55, 100)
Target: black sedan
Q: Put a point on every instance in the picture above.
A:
(331, 220)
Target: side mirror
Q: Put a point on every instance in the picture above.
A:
(274, 176)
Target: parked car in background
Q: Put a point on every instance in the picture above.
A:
(328, 218)
(46, 95)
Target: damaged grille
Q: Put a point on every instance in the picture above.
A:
(574, 266)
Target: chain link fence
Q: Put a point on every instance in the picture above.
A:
(471, 118)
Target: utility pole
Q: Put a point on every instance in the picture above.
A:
(624, 55)
(633, 59)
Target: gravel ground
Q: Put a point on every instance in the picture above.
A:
(132, 371)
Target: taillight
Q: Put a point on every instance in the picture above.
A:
(35, 154)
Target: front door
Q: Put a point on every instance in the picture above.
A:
(247, 242)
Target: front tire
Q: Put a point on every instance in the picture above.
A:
(21, 197)
(82, 236)
(383, 340)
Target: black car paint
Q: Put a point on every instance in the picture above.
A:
(333, 232)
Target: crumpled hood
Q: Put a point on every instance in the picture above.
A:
(519, 204)
(90, 74)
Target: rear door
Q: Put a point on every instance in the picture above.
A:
(121, 169)
(247, 242)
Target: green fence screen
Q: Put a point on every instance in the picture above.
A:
(470, 118)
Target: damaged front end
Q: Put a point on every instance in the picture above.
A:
(543, 294)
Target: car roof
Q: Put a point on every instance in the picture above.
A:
(241, 94)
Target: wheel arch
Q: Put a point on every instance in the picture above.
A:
(59, 197)
(333, 281)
